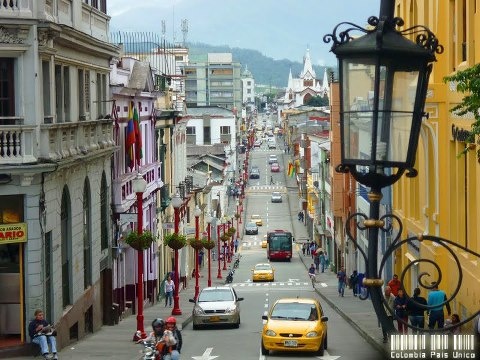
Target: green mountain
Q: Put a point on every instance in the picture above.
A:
(266, 71)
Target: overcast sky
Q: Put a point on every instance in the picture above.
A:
(281, 29)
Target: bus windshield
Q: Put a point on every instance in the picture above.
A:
(280, 242)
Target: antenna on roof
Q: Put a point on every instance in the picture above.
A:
(185, 31)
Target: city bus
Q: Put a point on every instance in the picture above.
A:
(279, 245)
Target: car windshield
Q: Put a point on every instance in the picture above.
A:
(275, 194)
(294, 311)
(255, 216)
(251, 225)
(215, 295)
(263, 267)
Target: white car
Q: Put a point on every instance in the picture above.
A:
(272, 159)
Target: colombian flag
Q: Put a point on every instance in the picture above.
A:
(130, 138)
(291, 170)
(138, 137)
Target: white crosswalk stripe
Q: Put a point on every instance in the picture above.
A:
(266, 188)
(250, 284)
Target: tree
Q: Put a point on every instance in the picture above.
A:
(468, 82)
(317, 101)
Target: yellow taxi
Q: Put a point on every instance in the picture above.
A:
(295, 324)
(264, 241)
(263, 272)
(256, 219)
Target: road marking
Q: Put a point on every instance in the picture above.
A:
(206, 355)
(327, 356)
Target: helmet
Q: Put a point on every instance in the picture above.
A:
(158, 326)
(171, 320)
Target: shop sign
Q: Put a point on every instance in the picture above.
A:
(13, 233)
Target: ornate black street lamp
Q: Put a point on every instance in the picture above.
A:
(383, 84)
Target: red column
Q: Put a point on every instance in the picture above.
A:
(176, 303)
(209, 283)
(224, 249)
(140, 325)
(219, 273)
(197, 236)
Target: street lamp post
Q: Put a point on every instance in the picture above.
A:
(197, 212)
(177, 203)
(139, 185)
(209, 231)
(383, 83)
(219, 272)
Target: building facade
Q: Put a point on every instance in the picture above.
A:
(442, 200)
(213, 80)
(56, 137)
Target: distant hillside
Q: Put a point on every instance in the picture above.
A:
(265, 70)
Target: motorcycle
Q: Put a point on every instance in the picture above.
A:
(229, 277)
(149, 350)
(236, 263)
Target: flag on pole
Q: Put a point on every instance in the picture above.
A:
(130, 138)
(291, 169)
(138, 137)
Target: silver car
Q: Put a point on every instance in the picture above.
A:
(251, 228)
(217, 305)
(276, 197)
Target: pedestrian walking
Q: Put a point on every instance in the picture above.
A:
(436, 300)
(389, 299)
(304, 248)
(271, 180)
(316, 261)
(353, 282)
(416, 307)
(235, 244)
(400, 305)
(342, 279)
(169, 288)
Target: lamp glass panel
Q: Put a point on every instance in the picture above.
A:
(357, 102)
(395, 114)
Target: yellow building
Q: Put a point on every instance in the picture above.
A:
(443, 199)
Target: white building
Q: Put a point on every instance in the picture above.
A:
(248, 87)
(300, 89)
(56, 146)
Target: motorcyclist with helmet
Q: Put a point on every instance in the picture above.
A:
(171, 324)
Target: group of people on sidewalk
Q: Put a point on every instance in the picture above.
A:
(419, 310)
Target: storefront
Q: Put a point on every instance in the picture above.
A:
(13, 235)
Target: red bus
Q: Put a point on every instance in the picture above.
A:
(279, 245)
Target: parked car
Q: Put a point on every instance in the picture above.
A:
(256, 219)
(272, 159)
(216, 305)
(251, 228)
(295, 324)
(272, 145)
(263, 272)
(276, 197)
(274, 167)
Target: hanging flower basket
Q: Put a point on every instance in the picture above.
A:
(232, 231)
(141, 242)
(224, 237)
(208, 244)
(196, 244)
(175, 241)
(237, 216)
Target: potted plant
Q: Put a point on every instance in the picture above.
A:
(196, 244)
(237, 216)
(142, 242)
(232, 231)
(175, 241)
(208, 244)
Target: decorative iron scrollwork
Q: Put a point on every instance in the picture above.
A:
(426, 279)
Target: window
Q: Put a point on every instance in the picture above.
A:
(87, 248)
(224, 130)
(47, 108)
(206, 135)
(66, 251)
(101, 96)
(84, 94)
(7, 99)
(190, 130)
(104, 213)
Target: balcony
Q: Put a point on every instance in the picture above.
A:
(65, 140)
(123, 194)
(16, 9)
(16, 142)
